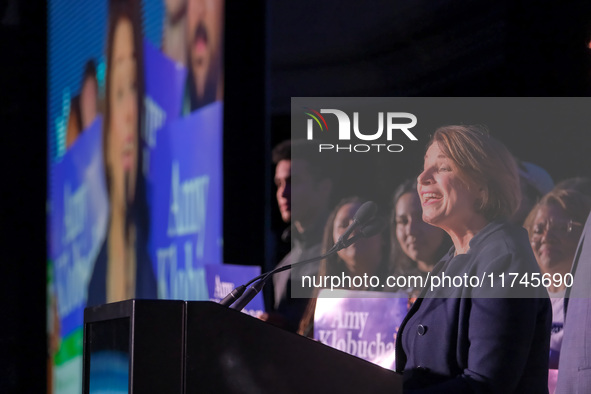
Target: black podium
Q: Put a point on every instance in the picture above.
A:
(201, 347)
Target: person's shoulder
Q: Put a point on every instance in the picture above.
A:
(502, 237)
(505, 248)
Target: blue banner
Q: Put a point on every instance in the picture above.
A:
(78, 223)
(222, 279)
(185, 191)
(165, 82)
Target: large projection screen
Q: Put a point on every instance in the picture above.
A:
(135, 121)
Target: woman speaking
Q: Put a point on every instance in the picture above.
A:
(475, 337)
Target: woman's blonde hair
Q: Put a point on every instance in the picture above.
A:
(483, 163)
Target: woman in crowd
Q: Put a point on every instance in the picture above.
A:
(123, 269)
(366, 256)
(415, 245)
(555, 225)
(452, 340)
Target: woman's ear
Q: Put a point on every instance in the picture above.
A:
(480, 193)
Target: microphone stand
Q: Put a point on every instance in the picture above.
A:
(242, 295)
(243, 299)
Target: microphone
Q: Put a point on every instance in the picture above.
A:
(374, 227)
(233, 296)
(364, 214)
(249, 294)
(242, 295)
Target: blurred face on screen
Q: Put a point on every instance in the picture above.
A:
(175, 8)
(204, 40)
(123, 122)
(174, 30)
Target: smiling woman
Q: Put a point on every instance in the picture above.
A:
(555, 225)
(420, 242)
(468, 180)
(460, 339)
(416, 246)
(367, 256)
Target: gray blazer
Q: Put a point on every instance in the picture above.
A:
(574, 370)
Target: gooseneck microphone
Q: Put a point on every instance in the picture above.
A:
(242, 295)
(364, 214)
(374, 227)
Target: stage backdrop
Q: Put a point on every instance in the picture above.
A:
(135, 103)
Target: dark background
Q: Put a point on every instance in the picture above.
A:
(274, 51)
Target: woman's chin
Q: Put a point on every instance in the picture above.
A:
(432, 220)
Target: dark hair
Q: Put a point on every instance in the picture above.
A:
(401, 263)
(281, 151)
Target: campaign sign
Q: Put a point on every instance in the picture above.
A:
(185, 194)
(78, 223)
(223, 278)
(165, 81)
(363, 327)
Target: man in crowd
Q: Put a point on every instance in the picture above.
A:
(303, 196)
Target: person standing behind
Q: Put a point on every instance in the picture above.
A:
(367, 256)
(303, 196)
(415, 245)
(574, 372)
(554, 226)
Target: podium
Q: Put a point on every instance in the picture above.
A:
(187, 347)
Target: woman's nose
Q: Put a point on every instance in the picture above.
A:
(550, 235)
(424, 178)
